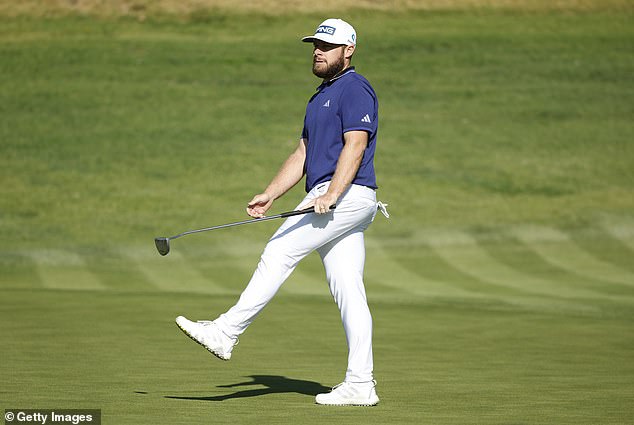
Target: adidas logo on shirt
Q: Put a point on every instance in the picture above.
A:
(327, 104)
(366, 119)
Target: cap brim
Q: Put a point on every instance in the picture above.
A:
(325, 38)
(311, 38)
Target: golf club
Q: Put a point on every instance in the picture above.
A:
(163, 244)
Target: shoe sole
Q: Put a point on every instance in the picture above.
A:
(349, 404)
(361, 404)
(201, 344)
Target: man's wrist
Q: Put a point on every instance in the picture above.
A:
(333, 194)
(271, 193)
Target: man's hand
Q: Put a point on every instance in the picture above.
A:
(323, 203)
(259, 205)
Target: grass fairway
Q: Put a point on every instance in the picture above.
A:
(502, 289)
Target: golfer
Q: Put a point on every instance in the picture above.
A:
(336, 154)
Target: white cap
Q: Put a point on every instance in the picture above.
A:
(334, 31)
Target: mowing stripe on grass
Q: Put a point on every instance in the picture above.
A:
(519, 256)
(240, 258)
(172, 272)
(18, 271)
(392, 274)
(116, 271)
(606, 247)
(623, 232)
(556, 248)
(431, 264)
(59, 269)
(304, 283)
(463, 252)
(418, 257)
(231, 274)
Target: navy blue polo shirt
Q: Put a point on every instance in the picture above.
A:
(345, 103)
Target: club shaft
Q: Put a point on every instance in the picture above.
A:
(255, 220)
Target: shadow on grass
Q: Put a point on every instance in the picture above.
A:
(272, 384)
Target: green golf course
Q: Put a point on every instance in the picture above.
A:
(501, 288)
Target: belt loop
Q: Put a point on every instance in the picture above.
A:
(321, 186)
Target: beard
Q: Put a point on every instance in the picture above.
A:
(328, 70)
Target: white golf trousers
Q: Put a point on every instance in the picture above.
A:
(338, 237)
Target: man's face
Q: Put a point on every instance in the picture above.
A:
(328, 59)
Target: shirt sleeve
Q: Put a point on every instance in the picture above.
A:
(304, 130)
(358, 108)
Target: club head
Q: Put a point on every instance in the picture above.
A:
(163, 245)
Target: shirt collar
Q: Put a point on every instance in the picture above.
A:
(346, 71)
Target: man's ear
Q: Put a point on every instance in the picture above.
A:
(348, 52)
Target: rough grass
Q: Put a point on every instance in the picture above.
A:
(194, 9)
(115, 127)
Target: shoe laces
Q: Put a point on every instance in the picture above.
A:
(211, 322)
(350, 383)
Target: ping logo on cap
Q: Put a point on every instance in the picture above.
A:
(326, 29)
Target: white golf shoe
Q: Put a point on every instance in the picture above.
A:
(350, 394)
(207, 334)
